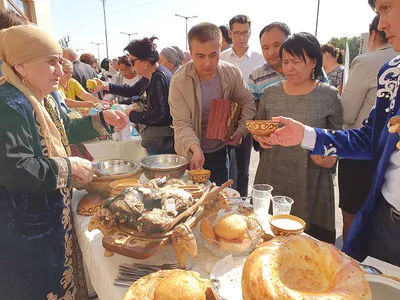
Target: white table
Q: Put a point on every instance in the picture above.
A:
(128, 149)
(103, 270)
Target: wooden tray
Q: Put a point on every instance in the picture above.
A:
(141, 246)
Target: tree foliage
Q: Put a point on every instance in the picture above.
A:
(354, 45)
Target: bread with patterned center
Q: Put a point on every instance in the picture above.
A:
(300, 267)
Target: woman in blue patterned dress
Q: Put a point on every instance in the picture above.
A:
(39, 253)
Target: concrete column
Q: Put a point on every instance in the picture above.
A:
(3, 4)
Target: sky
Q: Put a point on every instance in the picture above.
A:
(83, 20)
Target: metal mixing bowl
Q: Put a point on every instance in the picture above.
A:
(170, 165)
(116, 168)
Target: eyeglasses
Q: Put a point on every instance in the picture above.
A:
(239, 33)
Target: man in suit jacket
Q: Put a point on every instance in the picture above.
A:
(358, 98)
(82, 72)
(376, 227)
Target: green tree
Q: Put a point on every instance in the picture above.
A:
(354, 45)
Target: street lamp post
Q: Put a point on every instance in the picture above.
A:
(186, 26)
(316, 25)
(129, 35)
(105, 24)
(98, 48)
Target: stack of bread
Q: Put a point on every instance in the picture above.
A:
(170, 285)
(230, 234)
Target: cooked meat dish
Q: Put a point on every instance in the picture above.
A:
(147, 209)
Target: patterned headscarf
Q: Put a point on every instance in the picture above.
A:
(24, 44)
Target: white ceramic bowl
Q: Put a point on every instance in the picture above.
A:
(383, 288)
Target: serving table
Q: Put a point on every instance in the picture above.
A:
(103, 270)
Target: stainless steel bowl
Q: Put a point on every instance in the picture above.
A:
(170, 165)
(115, 168)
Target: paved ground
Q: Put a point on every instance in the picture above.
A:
(339, 221)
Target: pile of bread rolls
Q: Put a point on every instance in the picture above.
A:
(229, 234)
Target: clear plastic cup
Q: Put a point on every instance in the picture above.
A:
(261, 196)
(281, 205)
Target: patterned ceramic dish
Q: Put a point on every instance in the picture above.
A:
(262, 127)
(285, 225)
(199, 176)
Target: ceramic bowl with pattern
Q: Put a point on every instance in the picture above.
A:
(262, 127)
(285, 225)
(199, 176)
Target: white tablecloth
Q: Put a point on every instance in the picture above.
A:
(127, 149)
(103, 270)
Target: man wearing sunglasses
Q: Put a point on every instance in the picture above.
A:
(241, 56)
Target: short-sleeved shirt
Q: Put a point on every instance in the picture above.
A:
(261, 78)
(264, 76)
(73, 89)
(210, 90)
(247, 63)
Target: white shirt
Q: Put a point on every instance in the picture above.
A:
(247, 63)
(391, 184)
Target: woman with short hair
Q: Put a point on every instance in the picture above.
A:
(40, 256)
(171, 58)
(293, 172)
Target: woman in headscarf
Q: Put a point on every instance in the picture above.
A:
(158, 136)
(171, 58)
(39, 253)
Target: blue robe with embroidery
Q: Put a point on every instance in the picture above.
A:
(39, 255)
(372, 141)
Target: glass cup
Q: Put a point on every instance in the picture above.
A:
(261, 196)
(281, 205)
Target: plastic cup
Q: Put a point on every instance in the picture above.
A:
(281, 205)
(261, 196)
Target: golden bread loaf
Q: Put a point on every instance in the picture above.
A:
(170, 284)
(231, 226)
(300, 267)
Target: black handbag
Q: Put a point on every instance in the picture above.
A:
(158, 137)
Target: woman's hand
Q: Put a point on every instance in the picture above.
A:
(324, 161)
(115, 118)
(101, 85)
(290, 135)
(82, 170)
(262, 141)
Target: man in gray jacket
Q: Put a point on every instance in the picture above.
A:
(357, 99)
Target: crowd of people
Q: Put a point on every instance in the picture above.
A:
(294, 80)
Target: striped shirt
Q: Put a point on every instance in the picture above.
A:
(264, 76)
(261, 78)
